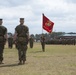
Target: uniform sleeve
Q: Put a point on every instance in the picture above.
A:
(5, 33)
(15, 34)
(16, 29)
(28, 32)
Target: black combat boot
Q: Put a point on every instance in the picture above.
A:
(1, 62)
(20, 62)
(23, 62)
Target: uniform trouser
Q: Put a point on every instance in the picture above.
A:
(1, 52)
(43, 46)
(10, 44)
(22, 52)
(31, 44)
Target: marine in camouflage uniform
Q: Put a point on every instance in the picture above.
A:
(22, 35)
(3, 37)
(31, 40)
(42, 40)
(10, 41)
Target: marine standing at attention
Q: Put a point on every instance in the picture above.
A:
(42, 40)
(3, 38)
(21, 37)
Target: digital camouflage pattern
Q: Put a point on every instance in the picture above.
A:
(42, 39)
(31, 41)
(22, 41)
(3, 31)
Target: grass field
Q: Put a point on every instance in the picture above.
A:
(56, 60)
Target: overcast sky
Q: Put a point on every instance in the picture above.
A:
(61, 12)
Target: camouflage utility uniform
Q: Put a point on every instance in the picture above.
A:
(42, 39)
(22, 41)
(10, 42)
(3, 31)
(31, 40)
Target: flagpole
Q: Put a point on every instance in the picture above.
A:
(42, 23)
(42, 30)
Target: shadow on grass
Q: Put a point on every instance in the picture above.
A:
(9, 65)
(36, 51)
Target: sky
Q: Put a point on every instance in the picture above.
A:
(61, 12)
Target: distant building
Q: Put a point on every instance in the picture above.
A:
(67, 36)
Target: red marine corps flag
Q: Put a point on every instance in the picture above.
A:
(47, 24)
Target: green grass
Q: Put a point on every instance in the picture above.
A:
(56, 60)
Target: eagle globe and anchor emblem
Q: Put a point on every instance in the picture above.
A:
(48, 23)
